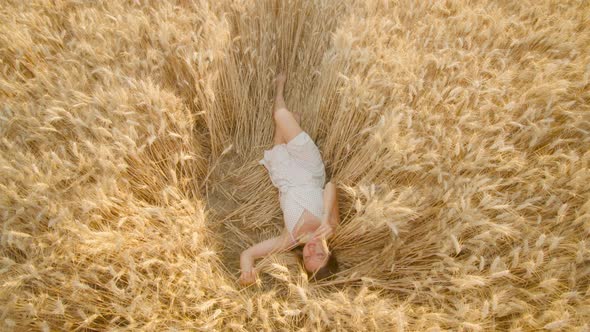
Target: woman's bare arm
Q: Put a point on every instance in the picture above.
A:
(331, 217)
(268, 246)
(331, 214)
(264, 248)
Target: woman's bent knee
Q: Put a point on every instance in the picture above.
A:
(286, 123)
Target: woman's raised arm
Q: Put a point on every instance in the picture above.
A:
(331, 214)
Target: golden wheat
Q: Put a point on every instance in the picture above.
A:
(457, 132)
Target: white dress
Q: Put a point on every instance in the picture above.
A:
(297, 170)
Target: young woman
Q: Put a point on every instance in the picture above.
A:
(310, 211)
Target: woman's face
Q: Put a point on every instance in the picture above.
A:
(314, 256)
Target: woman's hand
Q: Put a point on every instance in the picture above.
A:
(247, 278)
(324, 231)
(248, 275)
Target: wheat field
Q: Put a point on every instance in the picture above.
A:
(457, 133)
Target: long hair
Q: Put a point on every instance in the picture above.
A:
(326, 271)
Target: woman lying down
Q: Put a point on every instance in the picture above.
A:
(310, 211)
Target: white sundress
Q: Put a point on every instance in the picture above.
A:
(297, 170)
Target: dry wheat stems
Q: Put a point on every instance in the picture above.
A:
(457, 132)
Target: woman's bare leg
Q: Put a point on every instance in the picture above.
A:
(279, 103)
(286, 125)
(279, 92)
